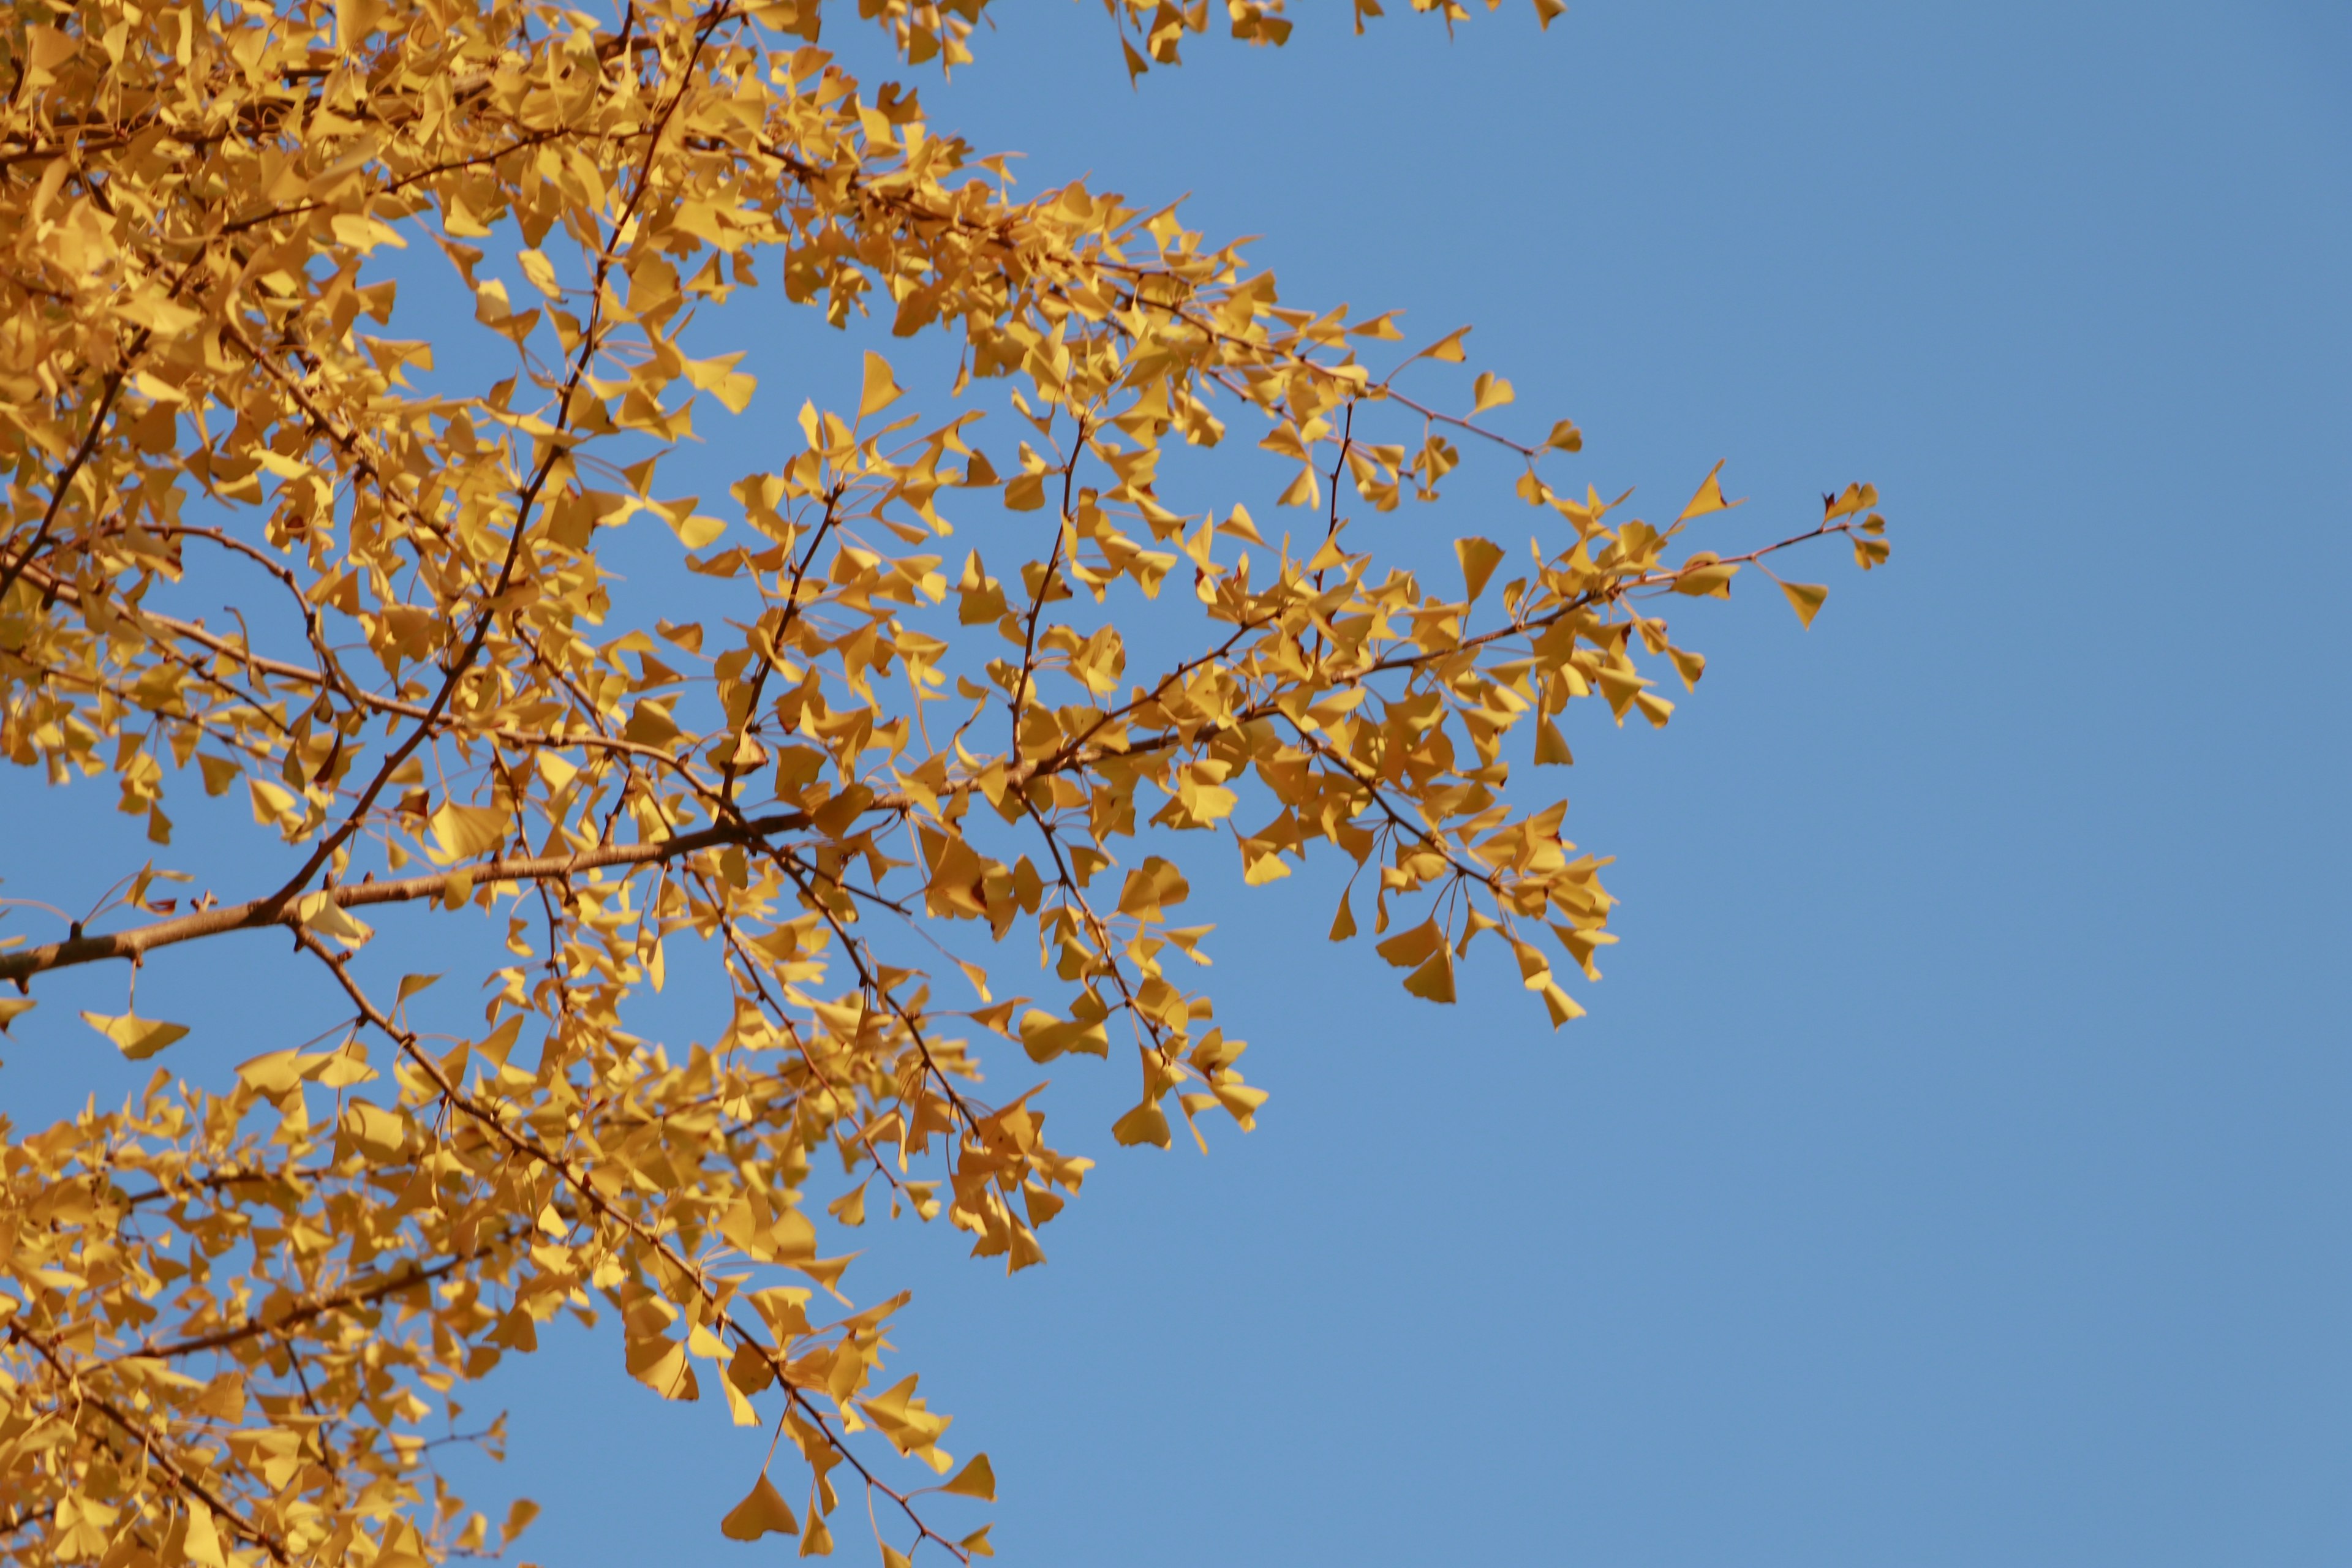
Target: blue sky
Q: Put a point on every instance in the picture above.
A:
(1953, 1168)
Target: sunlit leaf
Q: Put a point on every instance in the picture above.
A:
(762, 1512)
(880, 389)
(136, 1037)
(1805, 598)
(975, 1479)
(1709, 498)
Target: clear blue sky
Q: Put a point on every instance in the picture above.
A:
(1954, 1168)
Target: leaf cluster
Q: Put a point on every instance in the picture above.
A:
(237, 1323)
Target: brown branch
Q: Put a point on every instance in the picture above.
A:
(1018, 701)
(531, 1148)
(139, 1434)
(82, 455)
(374, 1291)
(281, 908)
(623, 232)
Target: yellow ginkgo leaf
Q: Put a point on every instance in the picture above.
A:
(1855, 497)
(1239, 525)
(1433, 981)
(270, 801)
(1343, 923)
(520, 1513)
(1709, 497)
(1025, 492)
(719, 378)
(696, 531)
(354, 20)
(136, 1037)
(540, 272)
(880, 391)
(661, 1364)
(1479, 557)
(762, 1512)
(1147, 1123)
(976, 1480)
(1447, 348)
(202, 1541)
(1489, 391)
(320, 913)
(1408, 949)
(1704, 577)
(1805, 598)
(462, 832)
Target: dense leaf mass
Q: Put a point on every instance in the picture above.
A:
(237, 1320)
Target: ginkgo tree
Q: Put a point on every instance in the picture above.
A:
(904, 803)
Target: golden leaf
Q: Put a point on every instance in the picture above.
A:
(535, 266)
(1479, 558)
(1708, 498)
(976, 1480)
(880, 391)
(1343, 923)
(1025, 492)
(1147, 1123)
(463, 832)
(202, 1541)
(320, 912)
(1433, 981)
(354, 20)
(1805, 598)
(1447, 348)
(762, 1512)
(1703, 577)
(134, 1036)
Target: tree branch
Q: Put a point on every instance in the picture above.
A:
(282, 909)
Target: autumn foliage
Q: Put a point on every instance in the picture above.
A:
(922, 792)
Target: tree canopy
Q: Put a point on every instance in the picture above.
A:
(879, 768)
